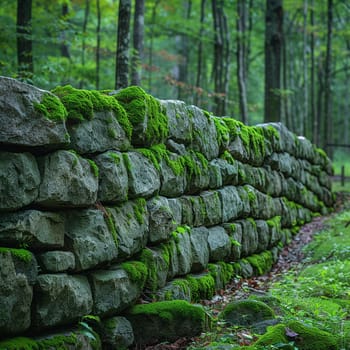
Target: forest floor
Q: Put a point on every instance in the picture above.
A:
(321, 246)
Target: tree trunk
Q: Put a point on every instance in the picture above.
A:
(184, 49)
(64, 46)
(306, 129)
(273, 50)
(86, 18)
(226, 64)
(200, 56)
(123, 38)
(24, 39)
(328, 83)
(315, 127)
(150, 56)
(98, 43)
(138, 34)
(241, 59)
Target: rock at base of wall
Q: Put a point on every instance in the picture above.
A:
(117, 333)
(166, 321)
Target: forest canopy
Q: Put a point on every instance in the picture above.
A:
(253, 60)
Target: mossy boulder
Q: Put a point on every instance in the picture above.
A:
(117, 333)
(31, 118)
(150, 124)
(167, 321)
(305, 337)
(246, 313)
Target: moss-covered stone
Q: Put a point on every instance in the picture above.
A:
(52, 108)
(261, 263)
(137, 272)
(21, 254)
(150, 124)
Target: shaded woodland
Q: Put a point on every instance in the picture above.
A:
(253, 60)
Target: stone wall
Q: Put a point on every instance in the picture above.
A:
(105, 197)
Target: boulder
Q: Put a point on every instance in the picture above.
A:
(113, 291)
(249, 242)
(161, 220)
(144, 180)
(229, 172)
(200, 248)
(113, 182)
(131, 222)
(175, 206)
(30, 117)
(67, 180)
(60, 299)
(33, 228)
(167, 321)
(19, 180)
(219, 244)
(56, 261)
(232, 205)
(184, 251)
(117, 333)
(213, 207)
(101, 133)
(15, 297)
(204, 133)
(89, 238)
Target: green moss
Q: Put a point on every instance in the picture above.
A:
(140, 105)
(19, 343)
(309, 338)
(137, 272)
(21, 254)
(115, 157)
(52, 108)
(222, 130)
(140, 209)
(81, 105)
(251, 194)
(274, 222)
(127, 162)
(180, 230)
(147, 258)
(228, 157)
(111, 226)
(94, 167)
(261, 263)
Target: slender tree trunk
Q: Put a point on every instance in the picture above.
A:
(315, 127)
(98, 43)
(200, 56)
(184, 50)
(64, 46)
(150, 56)
(328, 83)
(306, 129)
(86, 18)
(320, 92)
(123, 39)
(138, 34)
(226, 68)
(241, 60)
(273, 50)
(24, 39)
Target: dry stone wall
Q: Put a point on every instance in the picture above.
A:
(107, 196)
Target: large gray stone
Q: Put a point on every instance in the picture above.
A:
(60, 299)
(175, 206)
(132, 225)
(167, 321)
(200, 248)
(161, 220)
(144, 180)
(187, 212)
(113, 177)
(19, 180)
(249, 237)
(113, 291)
(56, 261)
(180, 121)
(184, 251)
(67, 180)
(204, 133)
(15, 297)
(232, 206)
(219, 244)
(89, 238)
(229, 172)
(22, 122)
(263, 235)
(101, 133)
(117, 333)
(33, 228)
(198, 173)
(199, 211)
(213, 207)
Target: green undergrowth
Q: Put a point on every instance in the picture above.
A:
(311, 301)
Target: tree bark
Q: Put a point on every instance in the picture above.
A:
(315, 127)
(98, 43)
(200, 55)
(273, 50)
(138, 34)
(86, 18)
(242, 59)
(123, 39)
(305, 123)
(328, 82)
(64, 46)
(24, 39)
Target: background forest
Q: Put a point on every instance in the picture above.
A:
(253, 60)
